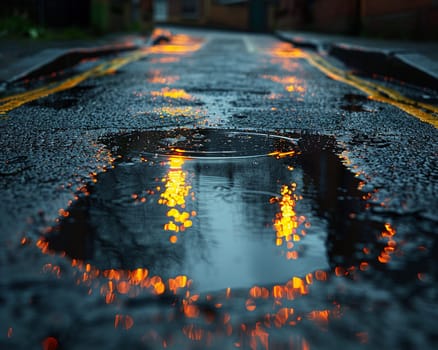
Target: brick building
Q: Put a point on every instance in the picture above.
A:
(410, 19)
(400, 18)
(255, 15)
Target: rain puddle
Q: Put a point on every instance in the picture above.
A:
(226, 209)
(219, 219)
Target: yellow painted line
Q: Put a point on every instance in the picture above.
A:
(9, 103)
(396, 95)
(423, 111)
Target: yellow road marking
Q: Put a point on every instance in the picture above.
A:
(11, 102)
(423, 111)
(183, 44)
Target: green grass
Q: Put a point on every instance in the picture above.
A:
(21, 27)
(18, 26)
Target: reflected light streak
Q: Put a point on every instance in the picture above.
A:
(286, 221)
(123, 321)
(193, 333)
(176, 111)
(188, 111)
(391, 245)
(112, 283)
(320, 316)
(174, 196)
(175, 49)
(165, 59)
(180, 44)
(258, 335)
(279, 154)
(158, 78)
(291, 83)
(286, 50)
(178, 94)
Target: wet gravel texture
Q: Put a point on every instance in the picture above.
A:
(53, 148)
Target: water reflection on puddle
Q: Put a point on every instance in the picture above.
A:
(225, 215)
(217, 218)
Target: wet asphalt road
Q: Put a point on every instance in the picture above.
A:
(55, 147)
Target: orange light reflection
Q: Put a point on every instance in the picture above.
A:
(174, 196)
(113, 282)
(124, 321)
(178, 94)
(291, 83)
(286, 221)
(179, 44)
(391, 245)
(158, 78)
(286, 50)
(186, 111)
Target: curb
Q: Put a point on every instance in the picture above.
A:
(52, 60)
(299, 41)
(66, 59)
(402, 65)
(388, 63)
